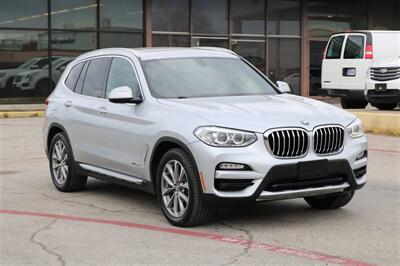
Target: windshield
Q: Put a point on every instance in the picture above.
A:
(203, 77)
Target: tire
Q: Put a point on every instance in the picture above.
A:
(385, 106)
(64, 180)
(43, 87)
(195, 211)
(353, 104)
(330, 201)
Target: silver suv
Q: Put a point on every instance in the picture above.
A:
(198, 127)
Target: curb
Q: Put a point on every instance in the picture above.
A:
(380, 123)
(21, 114)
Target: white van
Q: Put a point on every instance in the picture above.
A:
(363, 66)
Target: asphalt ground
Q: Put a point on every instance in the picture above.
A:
(110, 224)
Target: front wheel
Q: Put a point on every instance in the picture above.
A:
(330, 201)
(179, 190)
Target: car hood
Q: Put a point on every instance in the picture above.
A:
(260, 113)
(29, 72)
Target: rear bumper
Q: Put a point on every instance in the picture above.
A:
(353, 94)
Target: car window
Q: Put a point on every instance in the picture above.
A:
(73, 76)
(121, 74)
(335, 48)
(94, 79)
(354, 48)
(81, 79)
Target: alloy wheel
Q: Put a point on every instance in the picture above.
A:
(175, 188)
(59, 162)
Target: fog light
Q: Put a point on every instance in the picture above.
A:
(362, 155)
(231, 166)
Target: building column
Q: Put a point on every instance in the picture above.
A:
(305, 50)
(147, 22)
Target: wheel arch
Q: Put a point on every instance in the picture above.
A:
(163, 145)
(54, 129)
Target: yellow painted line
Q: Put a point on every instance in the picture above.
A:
(20, 114)
(380, 123)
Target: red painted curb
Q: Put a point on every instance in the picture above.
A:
(316, 256)
(383, 150)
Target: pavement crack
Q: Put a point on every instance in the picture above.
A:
(246, 249)
(43, 246)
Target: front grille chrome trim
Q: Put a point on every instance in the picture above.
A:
(328, 139)
(287, 143)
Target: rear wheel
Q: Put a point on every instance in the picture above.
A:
(348, 103)
(385, 106)
(330, 201)
(62, 165)
(179, 190)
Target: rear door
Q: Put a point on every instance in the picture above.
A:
(354, 65)
(332, 63)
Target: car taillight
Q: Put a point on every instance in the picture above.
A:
(368, 52)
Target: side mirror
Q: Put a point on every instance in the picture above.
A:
(123, 94)
(62, 68)
(34, 67)
(283, 87)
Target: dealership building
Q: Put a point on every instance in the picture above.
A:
(285, 39)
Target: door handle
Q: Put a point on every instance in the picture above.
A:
(102, 110)
(68, 104)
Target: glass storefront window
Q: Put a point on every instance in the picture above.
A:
(23, 61)
(128, 40)
(23, 14)
(210, 16)
(251, 50)
(248, 17)
(161, 40)
(284, 62)
(328, 17)
(121, 15)
(207, 41)
(73, 41)
(170, 15)
(73, 14)
(283, 17)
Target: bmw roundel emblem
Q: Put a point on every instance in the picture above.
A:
(305, 122)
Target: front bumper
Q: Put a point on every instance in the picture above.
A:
(266, 171)
(390, 95)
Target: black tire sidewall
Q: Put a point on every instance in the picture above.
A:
(189, 166)
(71, 162)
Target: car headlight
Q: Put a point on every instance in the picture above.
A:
(355, 129)
(224, 137)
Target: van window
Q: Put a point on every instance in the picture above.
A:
(73, 76)
(354, 48)
(335, 48)
(121, 74)
(94, 79)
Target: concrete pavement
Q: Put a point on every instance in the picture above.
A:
(109, 224)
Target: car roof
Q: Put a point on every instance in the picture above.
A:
(163, 52)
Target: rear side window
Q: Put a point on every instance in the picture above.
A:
(73, 76)
(335, 48)
(122, 74)
(354, 48)
(94, 79)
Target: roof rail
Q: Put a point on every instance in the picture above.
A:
(217, 49)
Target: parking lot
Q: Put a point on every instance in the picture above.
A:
(110, 224)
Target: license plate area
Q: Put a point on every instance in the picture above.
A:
(380, 87)
(312, 170)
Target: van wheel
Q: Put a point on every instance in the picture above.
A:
(385, 106)
(330, 201)
(62, 165)
(179, 190)
(353, 104)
